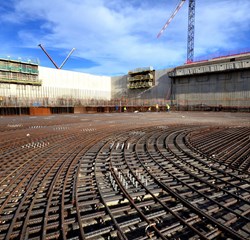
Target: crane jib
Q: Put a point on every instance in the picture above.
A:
(191, 17)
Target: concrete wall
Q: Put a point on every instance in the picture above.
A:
(59, 87)
(119, 87)
(74, 84)
(230, 87)
(158, 93)
(225, 89)
(213, 66)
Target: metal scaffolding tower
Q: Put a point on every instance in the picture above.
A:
(190, 42)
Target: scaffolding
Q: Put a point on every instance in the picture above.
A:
(19, 72)
(141, 78)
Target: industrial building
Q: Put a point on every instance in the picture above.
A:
(215, 84)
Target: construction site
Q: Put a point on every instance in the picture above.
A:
(152, 154)
(145, 175)
(220, 84)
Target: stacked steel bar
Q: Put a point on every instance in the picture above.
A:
(123, 177)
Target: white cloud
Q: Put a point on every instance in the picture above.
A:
(219, 24)
(121, 35)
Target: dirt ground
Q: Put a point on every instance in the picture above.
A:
(138, 118)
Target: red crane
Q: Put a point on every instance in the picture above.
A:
(191, 19)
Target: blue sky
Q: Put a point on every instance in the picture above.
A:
(112, 37)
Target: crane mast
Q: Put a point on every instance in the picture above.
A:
(190, 42)
(191, 23)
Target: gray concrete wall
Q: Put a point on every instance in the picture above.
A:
(230, 89)
(119, 87)
(160, 91)
(210, 83)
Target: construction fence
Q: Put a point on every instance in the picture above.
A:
(193, 105)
